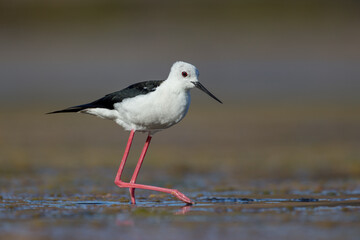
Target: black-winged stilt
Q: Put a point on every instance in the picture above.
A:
(150, 107)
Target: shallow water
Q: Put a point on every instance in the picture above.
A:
(226, 215)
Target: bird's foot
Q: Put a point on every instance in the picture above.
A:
(133, 186)
(182, 197)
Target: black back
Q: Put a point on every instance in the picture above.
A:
(109, 100)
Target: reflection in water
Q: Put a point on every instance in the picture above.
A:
(183, 210)
(124, 219)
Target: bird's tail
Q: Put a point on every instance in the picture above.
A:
(72, 109)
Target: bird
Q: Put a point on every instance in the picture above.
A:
(148, 107)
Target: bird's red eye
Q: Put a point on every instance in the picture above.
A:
(184, 74)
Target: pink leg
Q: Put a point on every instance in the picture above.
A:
(123, 160)
(174, 192)
(137, 169)
(132, 185)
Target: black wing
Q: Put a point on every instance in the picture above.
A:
(109, 100)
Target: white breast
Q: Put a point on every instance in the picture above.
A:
(154, 111)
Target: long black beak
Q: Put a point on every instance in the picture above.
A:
(202, 88)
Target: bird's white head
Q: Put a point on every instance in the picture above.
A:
(185, 75)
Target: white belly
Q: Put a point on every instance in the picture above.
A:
(154, 111)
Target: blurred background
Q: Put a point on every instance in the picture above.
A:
(287, 71)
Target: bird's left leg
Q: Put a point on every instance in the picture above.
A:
(138, 166)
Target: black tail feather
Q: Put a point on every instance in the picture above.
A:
(67, 110)
(72, 109)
